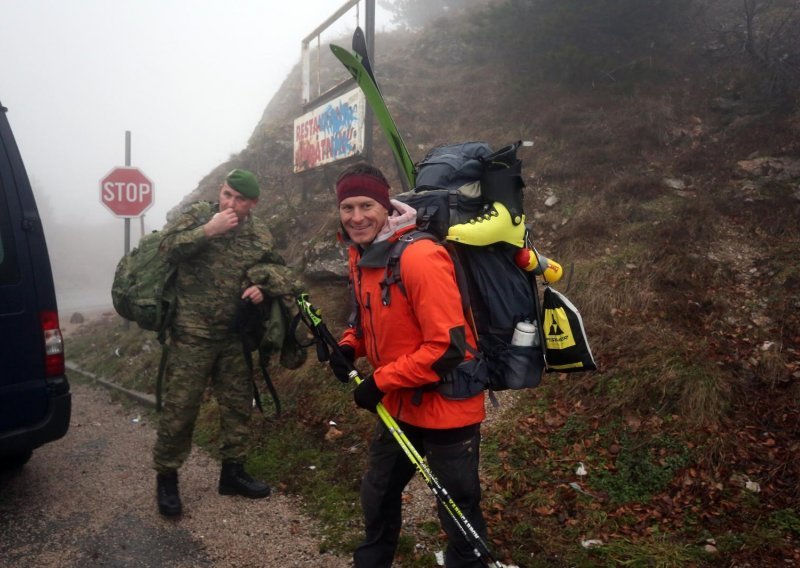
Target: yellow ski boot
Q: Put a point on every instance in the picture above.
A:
(493, 226)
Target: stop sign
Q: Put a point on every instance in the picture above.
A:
(126, 191)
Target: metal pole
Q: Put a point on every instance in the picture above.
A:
(369, 24)
(369, 32)
(127, 165)
(126, 324)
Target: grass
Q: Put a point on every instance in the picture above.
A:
(128, 357)
(642, 469)
(657, 551)
(314, 471)
(786, 520)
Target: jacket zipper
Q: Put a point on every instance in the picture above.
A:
(367, 307)
(373, 340)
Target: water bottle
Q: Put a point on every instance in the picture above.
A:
(519, 358)
(525, 334)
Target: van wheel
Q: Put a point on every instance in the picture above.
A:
(15, 460)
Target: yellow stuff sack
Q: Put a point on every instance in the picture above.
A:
(566, 348)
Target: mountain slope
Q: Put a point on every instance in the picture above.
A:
(675, 174)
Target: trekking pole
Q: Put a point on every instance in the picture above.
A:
(325, 340)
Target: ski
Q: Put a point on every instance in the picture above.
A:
(353, 63)
(360, 48)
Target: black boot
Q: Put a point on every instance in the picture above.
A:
(234, 480)
(169, 501)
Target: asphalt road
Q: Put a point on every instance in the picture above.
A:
(88, 500)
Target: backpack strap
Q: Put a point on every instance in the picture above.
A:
(391, 274)
(463, 286)
(162, 367)
(263, 361)
(354, 319)
(452, 205)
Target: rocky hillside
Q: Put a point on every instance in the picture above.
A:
(665, 177)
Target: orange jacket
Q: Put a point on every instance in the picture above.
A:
(418, 337)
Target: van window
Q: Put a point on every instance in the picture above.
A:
(9, 270)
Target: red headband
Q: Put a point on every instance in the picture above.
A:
(363, 185)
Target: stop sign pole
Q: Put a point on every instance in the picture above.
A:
(127, 165)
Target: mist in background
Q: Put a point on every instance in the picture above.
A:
(189, 80)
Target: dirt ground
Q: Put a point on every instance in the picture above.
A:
(88, 500)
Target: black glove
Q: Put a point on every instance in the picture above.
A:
(341, 362)
(367, 394)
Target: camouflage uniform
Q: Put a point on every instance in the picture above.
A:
(212, 274)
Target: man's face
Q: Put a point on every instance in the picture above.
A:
(229, 198)
(362, 218)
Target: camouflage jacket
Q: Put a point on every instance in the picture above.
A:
(213, 273)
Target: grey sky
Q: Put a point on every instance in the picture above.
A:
(189, 79)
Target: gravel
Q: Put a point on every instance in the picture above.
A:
(89, 500)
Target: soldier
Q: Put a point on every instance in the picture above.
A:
(224, 255)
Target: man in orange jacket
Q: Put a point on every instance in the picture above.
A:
(413, 335)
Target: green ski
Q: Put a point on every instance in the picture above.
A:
(375, 100)
(360, 49)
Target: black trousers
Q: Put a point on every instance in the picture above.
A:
(453, 456)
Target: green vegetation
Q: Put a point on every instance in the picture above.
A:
(642, 469)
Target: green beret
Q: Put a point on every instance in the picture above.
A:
(244, 182)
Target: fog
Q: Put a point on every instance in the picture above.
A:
(189, 80)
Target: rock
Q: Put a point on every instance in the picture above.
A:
(777, 168)
(325, 260)
(726, 104)
(551, 201)
(333, 434)
(77, 317)
(674, 183)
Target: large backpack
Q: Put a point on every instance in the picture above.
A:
(460, 185)
(143, 290)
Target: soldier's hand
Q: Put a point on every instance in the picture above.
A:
(254, 294)
(221, 223)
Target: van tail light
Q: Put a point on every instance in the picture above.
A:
(53, 344)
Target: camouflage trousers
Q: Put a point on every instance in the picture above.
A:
(192, 362)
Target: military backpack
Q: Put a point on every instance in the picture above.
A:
(143, 289)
